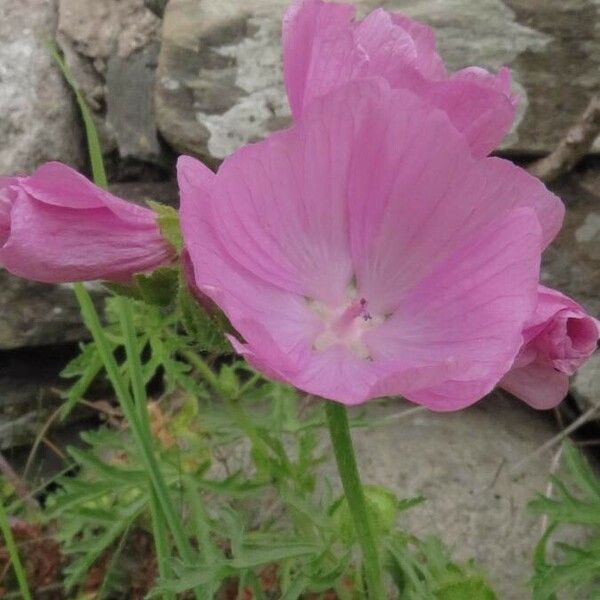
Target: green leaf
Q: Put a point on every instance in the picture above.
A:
(159, 287)
(93, 141)
(206, 329)
(470, 589)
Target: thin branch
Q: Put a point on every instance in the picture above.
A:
(17, 483)
(550, 487)
(573, 147)
(581, 420)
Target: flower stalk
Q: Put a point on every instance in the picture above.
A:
(339, 431)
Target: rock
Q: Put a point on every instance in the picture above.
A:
(38, 119)
(219, 80)
(141, 191)
(572, 262)
(585, 386)
(37, 314)
(28, 395)
(130, 104)
(462, 463)
(110, 47)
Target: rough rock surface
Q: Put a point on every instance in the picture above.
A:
(219, 81)
(572, 262)
(29, 395)
(110, 47)
(37, 314)
(461, 462)
(38, 121)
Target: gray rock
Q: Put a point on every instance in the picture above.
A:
(462, 463)
(572, 262)
(585, 386)
(130, 104)
(110, 48)
(37, 314)
(38, 121)
(219, 81)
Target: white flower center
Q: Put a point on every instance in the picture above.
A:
(345, 325)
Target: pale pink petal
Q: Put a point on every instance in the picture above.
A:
(430, 63)
(314, 37)
(468, 310)
(479, 104)
(56, 245)
(59, 185)
(540, 386)
(254, 307)
(281, 206)
(324, 49)
(390, 48)
(415, 192)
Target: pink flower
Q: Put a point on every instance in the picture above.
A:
(324, 47)
(366, 252)
(56, 226)
(557, 340)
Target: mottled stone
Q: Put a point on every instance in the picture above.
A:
(462, 463)
(585, 386)
(141, 191)
(37, 314)
(219, 81)
(572, 262)
(38, 121)
(110, 49)
(130, 104)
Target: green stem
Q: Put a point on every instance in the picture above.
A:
(207, 373)
(134, 364)
(143, 440)
(339, 430)
(163, 555)
(13, 553)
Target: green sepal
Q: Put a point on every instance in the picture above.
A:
(168, 222)
(383, 507)
(158, 288)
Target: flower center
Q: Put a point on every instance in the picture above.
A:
(345, 326)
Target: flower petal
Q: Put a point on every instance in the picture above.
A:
(53, 244)
(415, 192)
(59, 185)
(281, 207)
(256, 308)
(316, 48)
(469, 310)
(540, 386)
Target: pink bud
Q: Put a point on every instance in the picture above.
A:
(57, 227)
